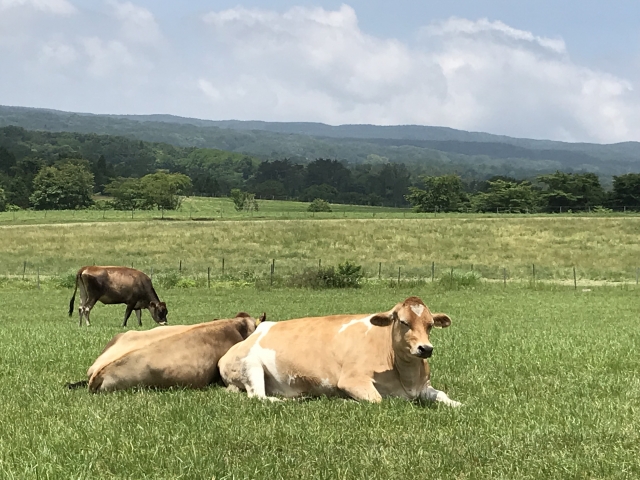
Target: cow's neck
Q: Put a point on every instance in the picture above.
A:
(411, 374)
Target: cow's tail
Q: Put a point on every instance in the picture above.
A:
(73, 386)
(73, 298)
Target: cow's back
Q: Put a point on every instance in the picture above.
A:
(111, 284)
(165, 356)
(308, 355)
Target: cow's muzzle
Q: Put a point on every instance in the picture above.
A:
(424, 351)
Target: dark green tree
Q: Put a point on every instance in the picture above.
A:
(444, 193)
(126, 193)
(164, 190)
(518, 197)
(63, 186)
(3, 200)
(571, 190)
(626, 191)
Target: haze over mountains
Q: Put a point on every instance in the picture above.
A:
(444, 148)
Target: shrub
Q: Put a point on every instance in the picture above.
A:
(459, 279)
(347, 275)
(319, 205)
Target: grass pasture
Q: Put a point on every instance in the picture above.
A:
(550, 379)
(600, 248)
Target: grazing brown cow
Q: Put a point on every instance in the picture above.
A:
(117, 285)
(365, 357)
(176, 356)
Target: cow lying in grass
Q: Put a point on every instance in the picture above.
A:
(365, 357)
(180, 355)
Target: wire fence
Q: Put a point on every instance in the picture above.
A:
(278, 272)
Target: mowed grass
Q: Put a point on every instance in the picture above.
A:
(549, 378)
(600, 248)
(203, 209)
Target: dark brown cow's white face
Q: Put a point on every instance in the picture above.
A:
(412, 323)
(159, 312)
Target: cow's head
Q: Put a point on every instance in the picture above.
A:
(159, 312)
(250, 322)
(411, 323)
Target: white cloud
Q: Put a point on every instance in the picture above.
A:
(59, 7)
(58, 53)
(308, 64)
(138, 24)
(476, 75)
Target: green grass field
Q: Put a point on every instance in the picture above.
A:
(550, 379)
(600, 248)
(549, 375)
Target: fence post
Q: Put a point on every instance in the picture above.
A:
(504, 276)
(319, 263)
(575, 281)
(24, 269)
(273, 268)
(151, 276)
(398, 276)
(222, 265)
(379, 270)
(180, 267)
(534, 273)
(208, 277)
(433, 271)
(131, 213)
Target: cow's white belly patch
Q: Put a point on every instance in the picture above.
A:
(364, 321)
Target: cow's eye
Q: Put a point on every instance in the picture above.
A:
(404, 322)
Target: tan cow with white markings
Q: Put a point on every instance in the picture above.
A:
(180, 355)
(365, 357)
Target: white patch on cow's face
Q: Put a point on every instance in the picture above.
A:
(417, 309)
(365, 321)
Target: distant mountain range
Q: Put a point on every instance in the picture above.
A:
(445, 149)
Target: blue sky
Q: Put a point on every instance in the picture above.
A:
(563, 70)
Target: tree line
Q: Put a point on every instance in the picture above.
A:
(44, 170)
(553, 192)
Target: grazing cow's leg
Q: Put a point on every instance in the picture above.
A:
(87, 311)
(127, 314)
(359, 389)
(80, 314)
(139, 315)
(434, 395)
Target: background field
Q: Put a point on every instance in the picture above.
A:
(550, 379)
(601, 248)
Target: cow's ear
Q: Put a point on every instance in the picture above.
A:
(153, 304)
(441, 320)
(262, 318)
(383, 319)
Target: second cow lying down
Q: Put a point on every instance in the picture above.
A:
(180, 355)
(365, 357)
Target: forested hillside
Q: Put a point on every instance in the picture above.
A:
(47, 170)
(427, 149)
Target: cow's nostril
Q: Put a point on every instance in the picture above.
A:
(425, 350)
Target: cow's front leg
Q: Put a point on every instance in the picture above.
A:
(359, 389)
(127, 314)
(139, 316)
(87, 311)
(434, 395)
